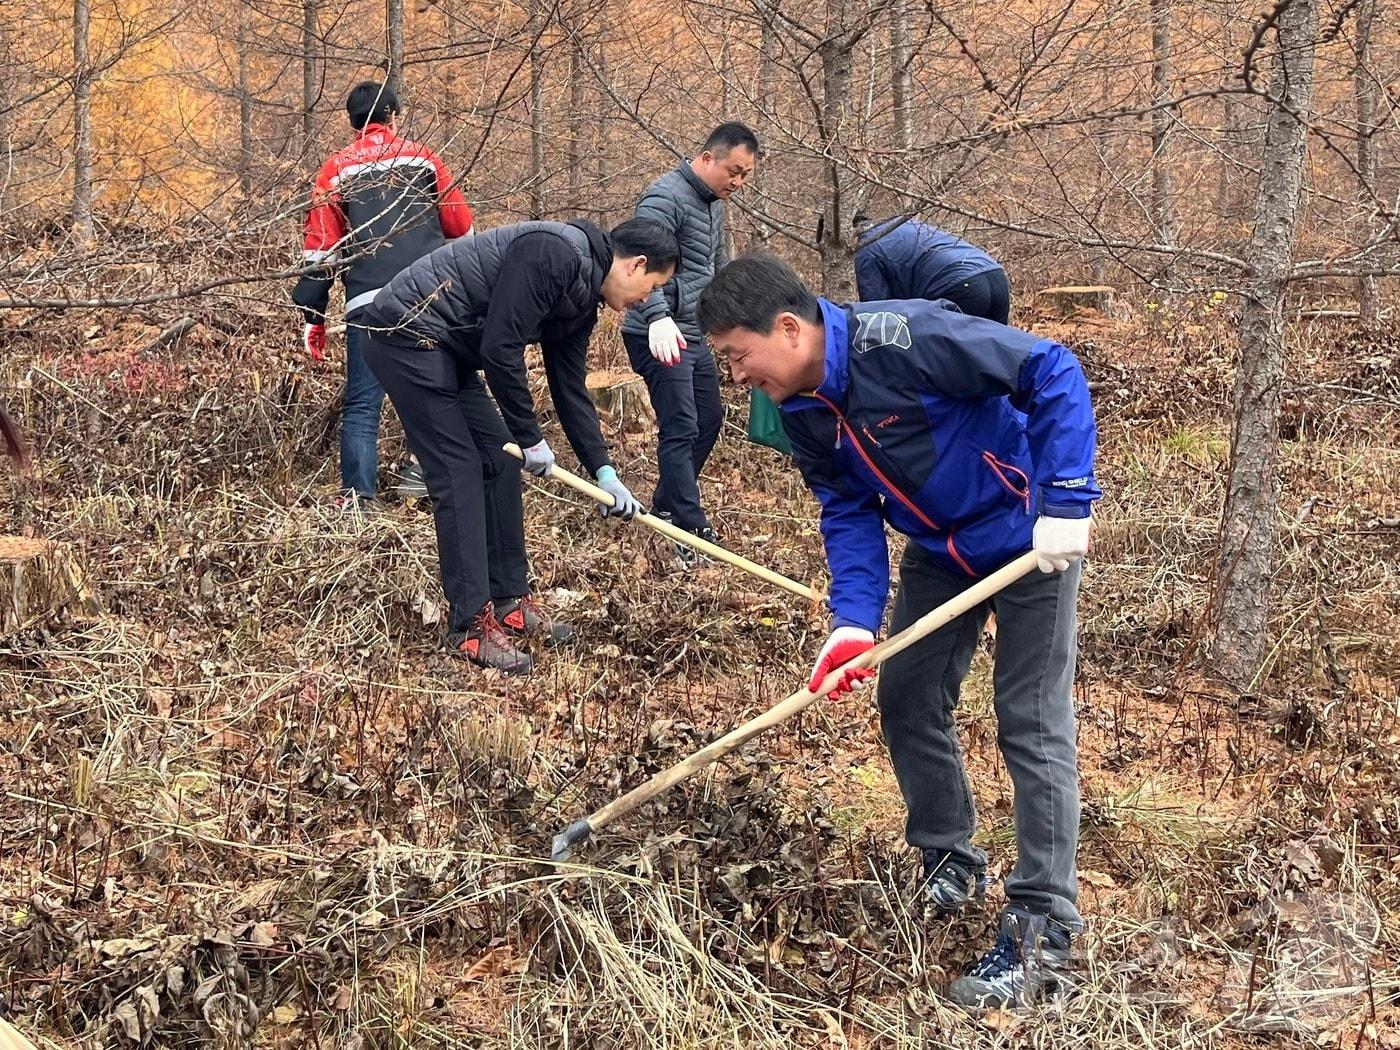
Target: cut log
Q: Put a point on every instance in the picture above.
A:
(622, 399)
(37, 579)
(1074, 299)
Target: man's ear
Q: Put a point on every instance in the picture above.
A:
(790, 327)
(639, 265)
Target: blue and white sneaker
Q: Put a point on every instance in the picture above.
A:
(1025, 965)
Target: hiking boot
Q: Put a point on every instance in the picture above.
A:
(948, 886)
(525, 616)
(408, 481)
(486, 644)
(1024, 965)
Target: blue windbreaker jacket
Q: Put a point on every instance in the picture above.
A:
(914, 261)
(956, 430)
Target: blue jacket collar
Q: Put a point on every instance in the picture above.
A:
(837, 376)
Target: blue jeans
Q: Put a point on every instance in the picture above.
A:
(359, 419)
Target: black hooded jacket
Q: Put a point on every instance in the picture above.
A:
(483, 299)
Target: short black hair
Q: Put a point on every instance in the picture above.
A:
(751, 292)
(861, 219)
(729, 136)
(371, 102)
(644, 237)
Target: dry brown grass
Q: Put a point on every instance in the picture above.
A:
(255, 794)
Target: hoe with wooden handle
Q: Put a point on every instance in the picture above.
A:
(921, 628)
(675, 532)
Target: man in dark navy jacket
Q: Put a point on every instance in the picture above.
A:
(903, 258)
(977, 442)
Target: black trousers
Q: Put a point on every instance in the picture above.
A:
(984, 295)
(689, 414)
(455, 430)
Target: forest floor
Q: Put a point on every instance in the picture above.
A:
(250, 800)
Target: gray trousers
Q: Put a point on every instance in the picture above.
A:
(1032, 679)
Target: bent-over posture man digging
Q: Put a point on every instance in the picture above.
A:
(471, 307)
(908, 259)
(977, 442)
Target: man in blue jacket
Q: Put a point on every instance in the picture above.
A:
(977, 442)
(902, 258)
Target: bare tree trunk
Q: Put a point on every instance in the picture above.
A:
(1250, 519)
(537, 11)
(1163, 208)
(82, 123)
(578, 101)
(1368, 300)
(393, 23)
(768, 117)
(7, 131)
(838, 273)
(900, 87)
(308, 79)
(245, 104)
(603, 139)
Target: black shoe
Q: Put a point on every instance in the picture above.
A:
(1025, 965)
(686, 556)
(485, 643)
(408, 481)
(949, 887)
(524, 616)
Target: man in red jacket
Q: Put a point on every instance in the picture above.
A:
(378, 205)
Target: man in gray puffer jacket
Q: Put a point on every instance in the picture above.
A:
(664, 343)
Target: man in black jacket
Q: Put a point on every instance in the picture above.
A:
(471, 307)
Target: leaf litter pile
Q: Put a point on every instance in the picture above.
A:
(249, 800)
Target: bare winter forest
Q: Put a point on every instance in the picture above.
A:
(245, 797)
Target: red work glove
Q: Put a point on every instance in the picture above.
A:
(845, 643)
(313, 337)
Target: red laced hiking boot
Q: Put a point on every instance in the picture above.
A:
(486, 644)
(525, 616)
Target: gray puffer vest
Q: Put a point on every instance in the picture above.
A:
(685, 206)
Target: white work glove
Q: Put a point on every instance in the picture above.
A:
(845, 643)
(1059, 542)
(625, 505)
(666, 341)
(539, 458)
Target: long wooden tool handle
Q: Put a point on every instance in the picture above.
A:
(12, 1039)
(675, 532)
(798, 701)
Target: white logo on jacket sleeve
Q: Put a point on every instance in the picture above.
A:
(882, 328)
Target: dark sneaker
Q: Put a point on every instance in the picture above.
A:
(948, 886)
(525, 616)
(487, 644)
(408, 481)
(1025, 965)
(686, 556)
(352, 504)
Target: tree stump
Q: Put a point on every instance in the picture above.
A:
(622, 399)
(37, 579)
(1074, 299)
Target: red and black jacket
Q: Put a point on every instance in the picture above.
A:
(378, 205)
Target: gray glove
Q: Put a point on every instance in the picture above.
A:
(625, 505)
(539, 458)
